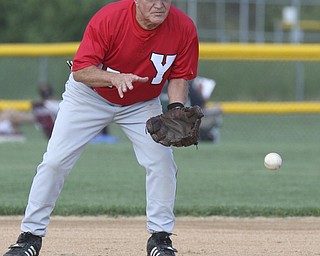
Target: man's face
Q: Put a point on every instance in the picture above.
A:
(151, 13)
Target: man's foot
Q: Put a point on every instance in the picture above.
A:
(26, 245)
(160, 244)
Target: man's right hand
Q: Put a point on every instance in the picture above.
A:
(124, 82)
(95, 77)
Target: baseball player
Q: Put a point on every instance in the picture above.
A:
(128, 51)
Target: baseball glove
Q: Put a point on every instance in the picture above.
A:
(177, 127)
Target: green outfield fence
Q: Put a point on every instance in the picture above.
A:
(211, 51)
(219, 54)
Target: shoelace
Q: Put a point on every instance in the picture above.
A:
(165, 242)
(23, 237)
(26, 237)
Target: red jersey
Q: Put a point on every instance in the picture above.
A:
(116, 42)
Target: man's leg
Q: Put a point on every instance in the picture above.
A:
(161, 178)
(158, 161)
(82, 115)
(76, 124)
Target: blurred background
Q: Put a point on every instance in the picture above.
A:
(218, 21)
(222, 22)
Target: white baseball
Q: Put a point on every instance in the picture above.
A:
(272, 161)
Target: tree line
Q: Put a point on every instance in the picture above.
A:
(37, 21)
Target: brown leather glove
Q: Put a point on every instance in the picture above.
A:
(177, 127)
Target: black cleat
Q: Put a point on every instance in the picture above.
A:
(26, 245)
(160, 244)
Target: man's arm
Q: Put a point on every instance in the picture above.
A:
(178, 90)
(95, 77)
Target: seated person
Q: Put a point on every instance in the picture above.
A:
(10, 121)
(45, 111)
(200, 91)
(43, 114)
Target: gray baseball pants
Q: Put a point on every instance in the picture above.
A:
(82, 115)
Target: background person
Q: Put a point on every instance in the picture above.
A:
(42, 114)
(200, 91)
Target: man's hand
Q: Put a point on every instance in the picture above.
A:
(95, 77)
(123, 82)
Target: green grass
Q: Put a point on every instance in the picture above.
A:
(227, 178)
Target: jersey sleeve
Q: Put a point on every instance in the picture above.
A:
(93, 46)
(186, 63)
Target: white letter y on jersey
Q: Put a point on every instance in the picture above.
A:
(157, 60)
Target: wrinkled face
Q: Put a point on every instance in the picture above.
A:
(151, 13)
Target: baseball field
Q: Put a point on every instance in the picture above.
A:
(224, 178)
(216, 236)
(227, 202)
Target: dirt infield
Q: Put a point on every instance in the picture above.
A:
(214, 236)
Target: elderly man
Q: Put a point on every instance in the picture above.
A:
(129, 50)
